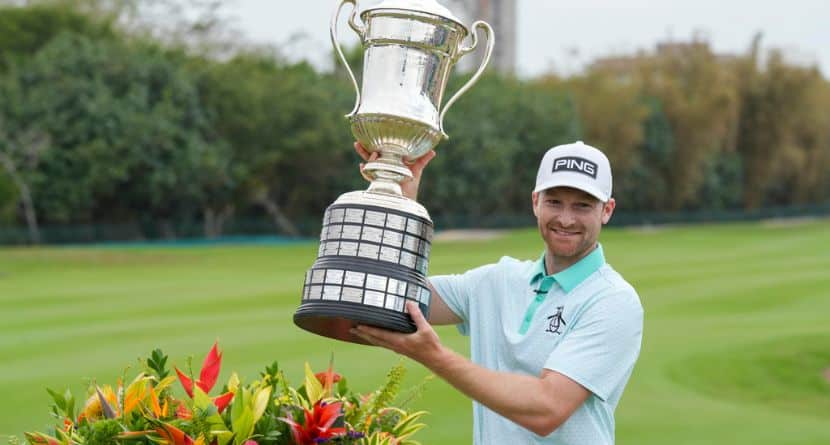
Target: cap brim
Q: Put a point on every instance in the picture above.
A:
(587, 188)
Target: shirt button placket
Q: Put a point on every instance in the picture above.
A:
(541, 292)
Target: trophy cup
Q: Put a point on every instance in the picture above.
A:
(375, 244)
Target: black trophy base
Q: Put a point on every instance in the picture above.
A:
(334, 319)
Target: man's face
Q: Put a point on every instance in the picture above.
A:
(570, 220)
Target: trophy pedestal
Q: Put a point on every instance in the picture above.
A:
(334, 320)
(373, 258)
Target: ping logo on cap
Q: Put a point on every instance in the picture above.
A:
(575, 164)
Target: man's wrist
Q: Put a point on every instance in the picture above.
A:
(442, 361)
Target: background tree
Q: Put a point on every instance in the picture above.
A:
(128, 133)
(291, 145)
(23, 31)
(20, 151)
(783, 137)
(699, 100)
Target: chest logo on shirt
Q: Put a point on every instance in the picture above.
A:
(556, 322)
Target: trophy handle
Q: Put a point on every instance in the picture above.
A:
(361, 31)
(461, 53)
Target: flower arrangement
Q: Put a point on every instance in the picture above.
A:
(266, 411)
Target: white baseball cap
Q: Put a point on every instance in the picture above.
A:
(575, 165)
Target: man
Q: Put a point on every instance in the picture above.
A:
(553, 342)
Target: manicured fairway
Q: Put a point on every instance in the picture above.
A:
(736, 349)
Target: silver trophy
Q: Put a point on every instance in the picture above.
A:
(374, 244)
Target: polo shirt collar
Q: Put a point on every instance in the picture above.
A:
(569, 278)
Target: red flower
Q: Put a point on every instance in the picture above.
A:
(208, 374)
(207, 378)
(222, 401)
(317, 427)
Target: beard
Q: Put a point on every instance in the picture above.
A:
(572, 247)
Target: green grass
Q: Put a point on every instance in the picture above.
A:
(735, 351)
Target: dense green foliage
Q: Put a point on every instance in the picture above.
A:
(735, 339)
(101, 124)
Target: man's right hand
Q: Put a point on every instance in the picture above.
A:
(408, 187)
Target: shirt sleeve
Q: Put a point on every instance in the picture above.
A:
(456, 291)
(601, 348)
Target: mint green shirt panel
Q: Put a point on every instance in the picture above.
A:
(457, 291)
(600, 346)
(567, 279)
(571, 277)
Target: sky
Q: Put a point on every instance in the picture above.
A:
(563, 36)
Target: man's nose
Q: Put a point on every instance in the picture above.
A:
(566, 218)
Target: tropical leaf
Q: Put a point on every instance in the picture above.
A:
(378, 438)
(154, 403)
(201, 400)
(64, 402)
(261, 398)
(173, 435)
(164, 383)
(41, 439)
(223, 400)
(135, 392)
(243, 425)
(187, 382)
(157, 363)
(233, 382)
(210, 369)
(407, 426)
(106, 408)
(313, 387)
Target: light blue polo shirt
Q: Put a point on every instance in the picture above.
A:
(585, 322)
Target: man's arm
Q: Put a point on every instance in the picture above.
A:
(439, 312)
(540, 404)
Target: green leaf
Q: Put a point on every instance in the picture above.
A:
(237, 406)
(273, 369)
(243, 425)
(342, 386)
(70, 403)
(60, 401)
(313, 387)
(157, 363)
(260, 402)
(200, 399)
(408, 425)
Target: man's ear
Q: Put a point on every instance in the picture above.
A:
(535, 200)
(608, 210)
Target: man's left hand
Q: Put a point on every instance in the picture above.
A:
(423, 345)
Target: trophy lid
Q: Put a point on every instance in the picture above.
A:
(424, 6)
